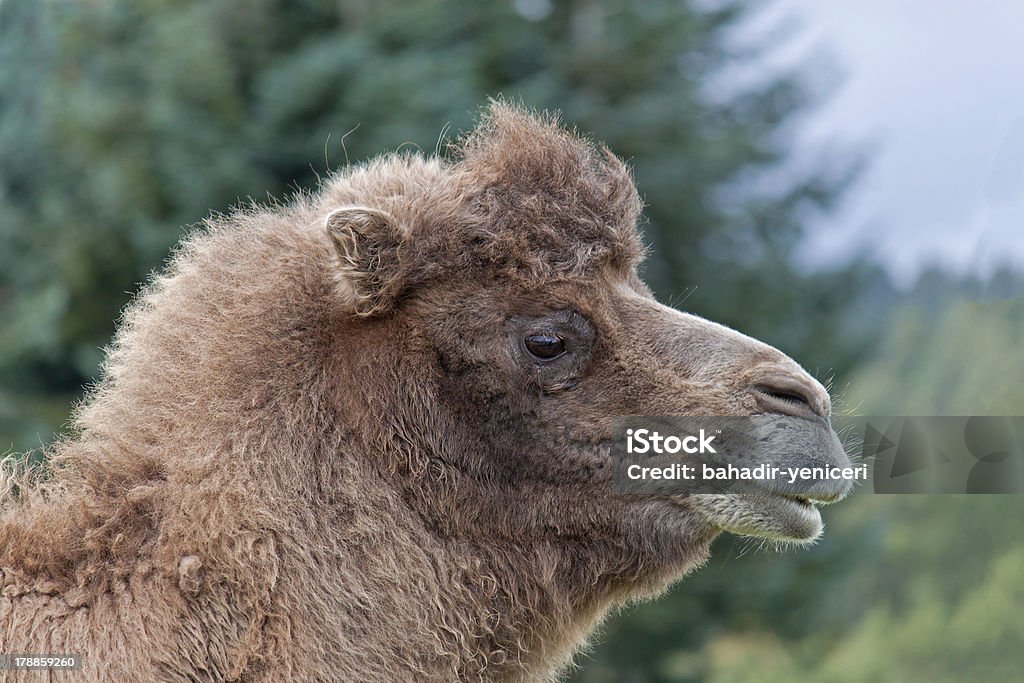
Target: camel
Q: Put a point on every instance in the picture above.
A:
(363, 435)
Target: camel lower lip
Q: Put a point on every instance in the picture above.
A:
(776, 517)
(788, 518)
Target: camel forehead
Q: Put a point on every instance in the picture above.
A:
(519, 194)
(543, 198)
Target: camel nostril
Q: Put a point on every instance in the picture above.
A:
(789, 400)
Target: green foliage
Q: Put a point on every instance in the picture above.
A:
(123, 122)
(936, 606)
(926, 348)
(975, 637)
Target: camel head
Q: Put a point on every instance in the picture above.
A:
(496, 296)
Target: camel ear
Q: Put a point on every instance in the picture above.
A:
(366, 241)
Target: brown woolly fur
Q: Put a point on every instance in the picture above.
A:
(321, 449)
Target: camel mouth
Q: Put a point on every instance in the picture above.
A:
(779, 517)
(763, 475)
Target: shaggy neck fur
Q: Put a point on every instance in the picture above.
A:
(256, 524)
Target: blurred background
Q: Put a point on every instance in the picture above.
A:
(843, 180)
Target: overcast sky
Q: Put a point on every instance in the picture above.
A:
(936, 88)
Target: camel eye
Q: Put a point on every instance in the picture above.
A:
(545, 346)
